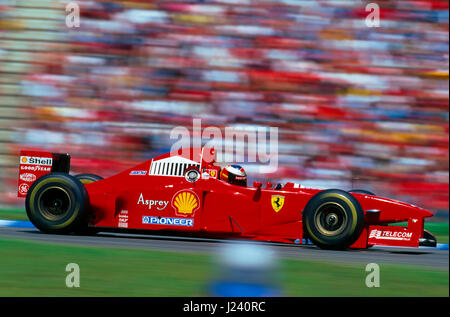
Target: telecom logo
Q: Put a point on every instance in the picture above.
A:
(390, 235)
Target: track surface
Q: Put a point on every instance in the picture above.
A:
(430, 258)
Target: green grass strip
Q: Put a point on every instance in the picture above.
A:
(38, 269)
(13, 214)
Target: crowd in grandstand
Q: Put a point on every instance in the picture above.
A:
(356, 106)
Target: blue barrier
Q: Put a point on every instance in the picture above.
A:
(16, 224)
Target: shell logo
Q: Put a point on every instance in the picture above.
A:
(24, 159)
(185, 202)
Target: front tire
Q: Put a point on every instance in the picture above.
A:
(57, 203)
(333, 219)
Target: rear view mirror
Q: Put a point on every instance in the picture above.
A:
(258, 186)
(192, 174)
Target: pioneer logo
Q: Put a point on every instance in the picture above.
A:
(32, 160)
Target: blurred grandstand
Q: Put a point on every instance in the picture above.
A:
(356, 107)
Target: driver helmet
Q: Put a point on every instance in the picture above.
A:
(234, 174)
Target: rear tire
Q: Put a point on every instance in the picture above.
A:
(333, 219)
(57, 203)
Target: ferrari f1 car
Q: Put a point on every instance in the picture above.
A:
(185, 192)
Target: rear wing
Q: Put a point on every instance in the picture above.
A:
(34, 164)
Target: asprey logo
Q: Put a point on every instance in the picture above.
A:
(185, 202)
(32, 160)
(159, 204)
(390, 235)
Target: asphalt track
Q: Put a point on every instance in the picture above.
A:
(427, 257)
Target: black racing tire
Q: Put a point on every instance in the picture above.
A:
(57, 203)
(361, 191)
(88, 178)
(333, 219)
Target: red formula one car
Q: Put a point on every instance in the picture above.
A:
(184, 192)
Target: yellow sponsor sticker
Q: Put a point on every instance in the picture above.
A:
(277, 202)
(186, 202)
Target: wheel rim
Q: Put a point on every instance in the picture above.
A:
(54, 203)
(331, 219)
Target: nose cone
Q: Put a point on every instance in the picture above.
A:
(422, 212)
(406, 211)
(393, 210)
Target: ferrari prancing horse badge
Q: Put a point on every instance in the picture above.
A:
(277, 202)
